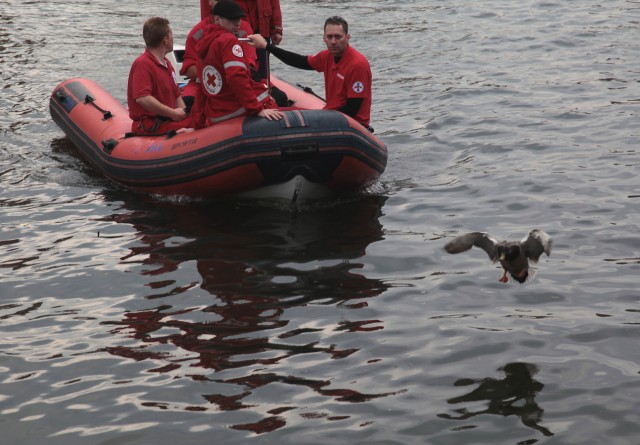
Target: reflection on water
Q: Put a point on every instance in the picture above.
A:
(256, 265)
(513, 395)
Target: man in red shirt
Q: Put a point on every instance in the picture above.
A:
(224, 71)
(347, 74)
(154, 98)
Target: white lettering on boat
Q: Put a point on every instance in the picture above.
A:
(184, 144)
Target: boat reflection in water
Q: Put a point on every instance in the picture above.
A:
(272, 283)
(514, 395)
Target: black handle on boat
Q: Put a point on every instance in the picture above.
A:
(60, 95)
(299, 151)
(109, 144)
(106, 114)
(310, 91)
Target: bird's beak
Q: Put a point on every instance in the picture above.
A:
(502, 256)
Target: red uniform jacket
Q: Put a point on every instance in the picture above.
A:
(225, 78)
(190, 59)
(195, 35)
(264, 16)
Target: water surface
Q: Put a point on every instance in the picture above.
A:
(128, 319)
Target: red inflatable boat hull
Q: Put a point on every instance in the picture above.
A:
(241, 155)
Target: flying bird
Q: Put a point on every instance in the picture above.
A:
(514, 256)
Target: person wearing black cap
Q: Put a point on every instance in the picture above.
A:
(191, 90)
(224, 71)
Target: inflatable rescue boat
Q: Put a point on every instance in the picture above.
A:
(311, 153)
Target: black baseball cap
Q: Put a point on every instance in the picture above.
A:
(228, 9)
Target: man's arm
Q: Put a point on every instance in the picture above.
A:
(352, 106)
(154, 106)
(276, 22)
(290, 58)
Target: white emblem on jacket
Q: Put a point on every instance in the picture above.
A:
(357, 87)
(211, 79)
(237, 51)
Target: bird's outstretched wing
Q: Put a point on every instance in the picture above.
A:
(535, 244)
(465, 242)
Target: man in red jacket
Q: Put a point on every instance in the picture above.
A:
(154, 98)
(224, 71)
(188, 68)
(265, 18)
(190, 91)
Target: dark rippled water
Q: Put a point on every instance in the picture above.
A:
(125, 319)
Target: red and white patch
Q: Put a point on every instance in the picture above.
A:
(212, 80)
(237, 51)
